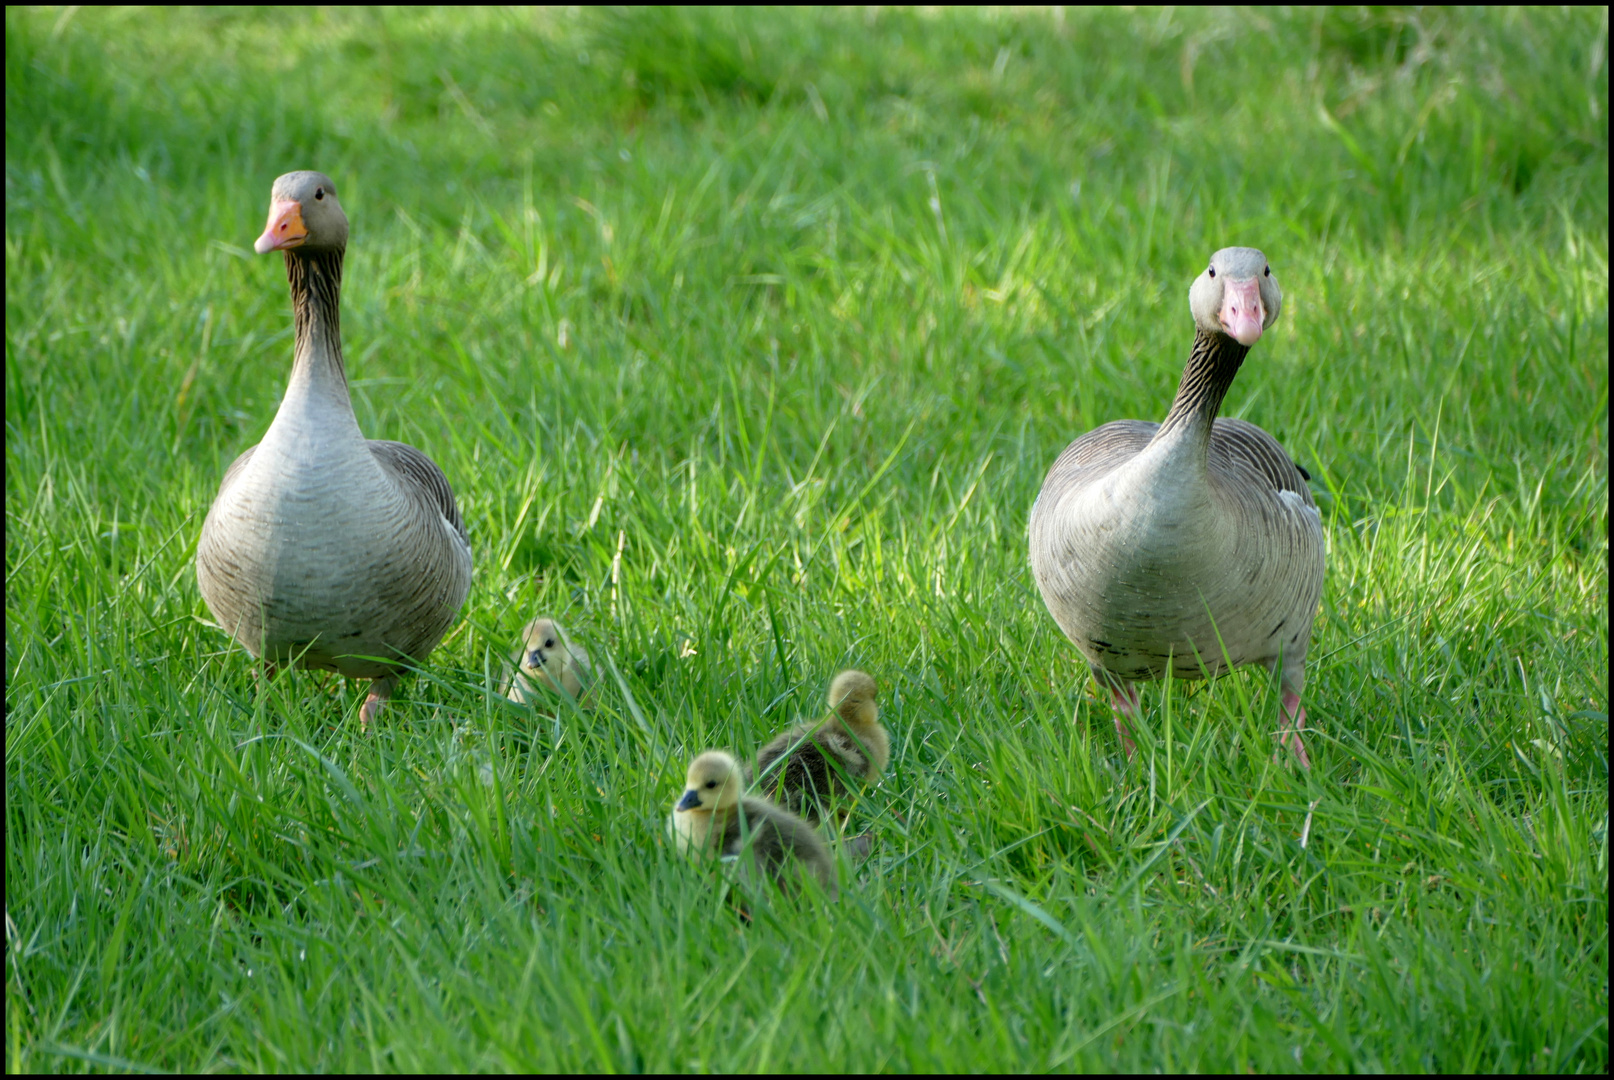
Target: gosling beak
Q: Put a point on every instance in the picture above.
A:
(535, 659)
(1242, 313)
(690, 801)
(285, 228)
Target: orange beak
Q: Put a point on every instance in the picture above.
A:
(1242, 313)
(285, 228)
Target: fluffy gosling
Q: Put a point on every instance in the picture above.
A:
(548, 659)
(852, 742)
(713, 816)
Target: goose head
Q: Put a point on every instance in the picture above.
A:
(713, 783)
(1236, 296)
(303, 213)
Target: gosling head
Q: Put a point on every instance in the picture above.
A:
(303, 213)
(712, 783)
(1236, 296)
(543, 648)
(851, 694)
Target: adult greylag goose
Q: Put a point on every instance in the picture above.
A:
(325, 549)
(1191, 546)
(713, 816)
(823, 759)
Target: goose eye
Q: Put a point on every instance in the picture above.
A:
(1211, 271)
(1267, 271)
(319, 193)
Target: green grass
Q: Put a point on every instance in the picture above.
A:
(745, 340)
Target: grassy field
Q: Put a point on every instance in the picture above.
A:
(745, 340)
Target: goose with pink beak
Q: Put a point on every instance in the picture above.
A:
(1193, 546)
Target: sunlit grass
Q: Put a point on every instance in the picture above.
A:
(745, 341)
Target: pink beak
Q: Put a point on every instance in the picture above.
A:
(285, 228)
(1242, 313)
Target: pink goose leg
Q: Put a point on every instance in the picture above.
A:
(380, 691)
(1124, 699)
(1289, 728)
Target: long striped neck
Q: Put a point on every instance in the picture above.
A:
(316, 301)
(1212, 366)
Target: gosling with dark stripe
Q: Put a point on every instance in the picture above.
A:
(821, 757)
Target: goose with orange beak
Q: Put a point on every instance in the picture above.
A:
(324, 549)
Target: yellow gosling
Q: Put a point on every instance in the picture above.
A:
(715, 817)
(820, 757)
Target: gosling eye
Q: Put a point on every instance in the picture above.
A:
(549, 643)
(1211, 271)
(711, 783)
